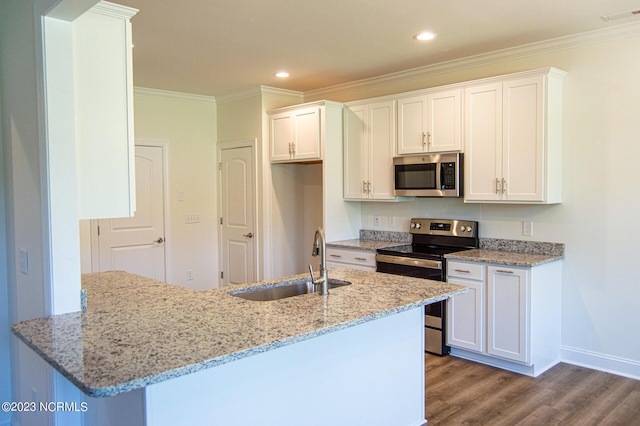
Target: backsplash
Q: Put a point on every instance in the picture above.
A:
(519, 246)
(393, 236)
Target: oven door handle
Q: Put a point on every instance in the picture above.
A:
(409, 261)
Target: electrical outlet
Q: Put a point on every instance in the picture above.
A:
(527, 228)
(192, 218)
(189, 274)
(376, 220)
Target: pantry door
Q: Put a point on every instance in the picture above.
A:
(237, 189)
(136, 244)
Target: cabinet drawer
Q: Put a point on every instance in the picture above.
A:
(354, 257)
(470, 271)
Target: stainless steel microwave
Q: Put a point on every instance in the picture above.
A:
(429, 175)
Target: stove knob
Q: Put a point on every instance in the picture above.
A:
(413, 225)
(418, 226)
(469, 229)
(462, 228)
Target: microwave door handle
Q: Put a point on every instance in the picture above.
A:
(438, 176)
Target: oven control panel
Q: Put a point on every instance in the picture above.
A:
(448, 227)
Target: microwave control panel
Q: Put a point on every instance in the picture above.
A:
(448, 180)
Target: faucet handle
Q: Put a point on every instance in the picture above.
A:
(311, 272)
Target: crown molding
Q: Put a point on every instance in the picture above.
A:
(532, 49)
(114, 10)
(273, 92)
(178, 96)
(284, 94)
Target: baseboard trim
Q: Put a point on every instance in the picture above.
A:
(601, 362)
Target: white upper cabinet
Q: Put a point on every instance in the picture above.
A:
(104, 112)
(369, 147)
(296, 134)
(430, 122)
(513, 140)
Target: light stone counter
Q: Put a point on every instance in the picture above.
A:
(137, 331)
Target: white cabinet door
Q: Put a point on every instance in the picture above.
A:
(465, 316)
(483, 142)
(412, 125)
(281, 136)
(444, 122)
(381, 145)
(355, 152)
(508, 313)
(523, 140)
(307, 134)
(295, 135)
(369, 148)
(430, 123)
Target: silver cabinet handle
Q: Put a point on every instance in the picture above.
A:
(159, 240)
(249, 235)
(423, 142)
(504, 186)
(364, 186)
(360, 258)
(429, 138)
(369, 187)
(497, 186)
(463, 271)
(335, 255)
(504, 271)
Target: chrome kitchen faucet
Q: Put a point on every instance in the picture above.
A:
(319, 248)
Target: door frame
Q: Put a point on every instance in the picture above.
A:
(95, 248)
(253, 144)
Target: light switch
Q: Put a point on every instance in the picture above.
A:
(24, 261)
(192, 218)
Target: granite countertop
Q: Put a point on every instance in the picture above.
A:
(363, 244)
(501, 257)
(137, 331)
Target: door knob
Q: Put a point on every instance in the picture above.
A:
(159, 240)
(249, 235)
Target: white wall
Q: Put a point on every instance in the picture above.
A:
(22, 183)
(596, 220)
(5, 355)
(188, 123)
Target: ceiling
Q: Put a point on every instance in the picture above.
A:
(216, 47)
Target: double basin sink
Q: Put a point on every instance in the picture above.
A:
(287, 289)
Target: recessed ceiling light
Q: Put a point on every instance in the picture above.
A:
(425, 36)
(282, 74)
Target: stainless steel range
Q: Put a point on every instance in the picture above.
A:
(432, 239)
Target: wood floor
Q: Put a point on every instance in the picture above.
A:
(461, 392)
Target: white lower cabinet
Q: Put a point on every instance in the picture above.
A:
(351, 258)
(465, 327)
(509, 318)
(508, 313)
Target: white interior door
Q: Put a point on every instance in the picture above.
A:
(237, 206)
(136, 244)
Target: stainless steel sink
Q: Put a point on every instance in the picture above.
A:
(290, 289)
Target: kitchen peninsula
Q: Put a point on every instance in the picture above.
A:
(353, 357)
